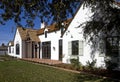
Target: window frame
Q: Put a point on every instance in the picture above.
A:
(75, 47)
(17, 49)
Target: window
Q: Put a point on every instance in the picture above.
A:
(60, 49)
(46, 50)
(75, 48)
(17, 49)
(9, 49)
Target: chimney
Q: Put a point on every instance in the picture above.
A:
(42, 25)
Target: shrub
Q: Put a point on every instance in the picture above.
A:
(110, 65)
(91, 65)
(75, 63)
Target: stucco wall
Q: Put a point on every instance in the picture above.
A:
(76, 33)
(54, 37)
(11, 49)
(17, 40)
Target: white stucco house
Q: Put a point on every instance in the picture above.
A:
(54, 43)
(25, 44)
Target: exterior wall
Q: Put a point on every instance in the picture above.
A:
(23, 49)
(74, 33)
(17, 40)
(54, 37)
(11, 50)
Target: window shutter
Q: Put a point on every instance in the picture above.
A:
(81, 48)
(69, 48)
(102, 49)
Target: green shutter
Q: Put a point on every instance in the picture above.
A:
(69, 48)
(81, 44)
(101, 49)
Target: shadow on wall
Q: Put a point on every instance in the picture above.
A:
(107, 47)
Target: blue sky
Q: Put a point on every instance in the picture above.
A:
(6, 32)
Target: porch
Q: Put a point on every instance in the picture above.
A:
(43, 61)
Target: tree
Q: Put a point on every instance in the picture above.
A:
(2, 44)
(28, 10)
(104, 28)
(104, 22)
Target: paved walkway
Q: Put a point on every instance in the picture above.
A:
(43, 61)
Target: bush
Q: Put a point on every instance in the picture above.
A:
(91, 65)
(76, 64)
(111, 65)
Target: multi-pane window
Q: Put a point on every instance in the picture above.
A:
(17, 49)
(46, 50)
(75, 47)
(60, 49)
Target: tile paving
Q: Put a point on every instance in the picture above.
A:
(44, 61)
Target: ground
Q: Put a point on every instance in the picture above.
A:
(15, 70)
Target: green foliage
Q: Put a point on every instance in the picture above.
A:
(104, 21)
(75, 63)
(91, 65)
(111, 65)
(28, 10)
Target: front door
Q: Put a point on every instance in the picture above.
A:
(46, 50)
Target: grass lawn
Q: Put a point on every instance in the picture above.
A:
(22, 71)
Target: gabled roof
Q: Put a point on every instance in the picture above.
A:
(72, 19)
(27, 32)
(53, 27)
(116, 3)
